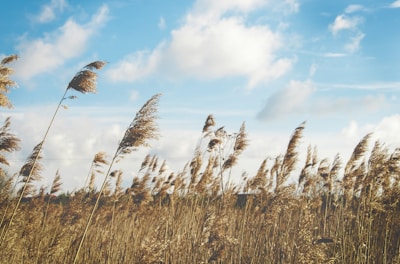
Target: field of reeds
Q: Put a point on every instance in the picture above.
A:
(333, 212)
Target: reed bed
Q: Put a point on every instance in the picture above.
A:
(333, 212)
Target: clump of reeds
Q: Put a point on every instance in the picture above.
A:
(85, 82)
(142, 129)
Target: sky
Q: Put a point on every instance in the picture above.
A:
(269, 63)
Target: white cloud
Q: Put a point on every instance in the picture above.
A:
(210, 45)
(135, 66)
(395, 4)
(296, 98)
(226, 48)
(48, 12)
(388, 130)
(287, 101)
(353, 8)
(49, 52)
(349, 23)
(343, 22)
(354, 44)
(352, 130)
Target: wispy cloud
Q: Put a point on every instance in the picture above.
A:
(50, 51)
(329, 106)
(343, 22)
(362, 86)
(351, 23)
(49, 11)
(162, 24)
(354, 44)
(354, 8)
(301, 97)
(215, 41)
(334, 55)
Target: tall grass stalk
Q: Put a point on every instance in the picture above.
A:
(142, 128)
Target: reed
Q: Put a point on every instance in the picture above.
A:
(5, 82)
(142, 129)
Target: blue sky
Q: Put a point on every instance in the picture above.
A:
(272, 64)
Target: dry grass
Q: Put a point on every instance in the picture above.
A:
(332, 214)
(183, 218)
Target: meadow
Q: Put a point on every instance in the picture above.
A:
(334, 212)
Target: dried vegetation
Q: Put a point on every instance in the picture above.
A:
(290, 211)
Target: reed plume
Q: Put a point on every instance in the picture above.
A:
(259, 181)
(241, 142)
(142, 129)
(8, 143)
(31, 171)
(210, 122)
(99, 159)
(5, 82)
(291, 156)
(55, 187)
(353, 166)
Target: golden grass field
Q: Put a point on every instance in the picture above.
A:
(335, 212)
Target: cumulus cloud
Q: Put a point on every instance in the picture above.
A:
(215, 41)
(395, 4)
(386, 130)
(49, 11)
(50, 51)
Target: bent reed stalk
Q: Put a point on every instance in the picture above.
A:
(84, 82)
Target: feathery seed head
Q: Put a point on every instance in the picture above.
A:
(142, 128)
(209, 123)
(9, 59)
(85, 80)
(5, 81)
